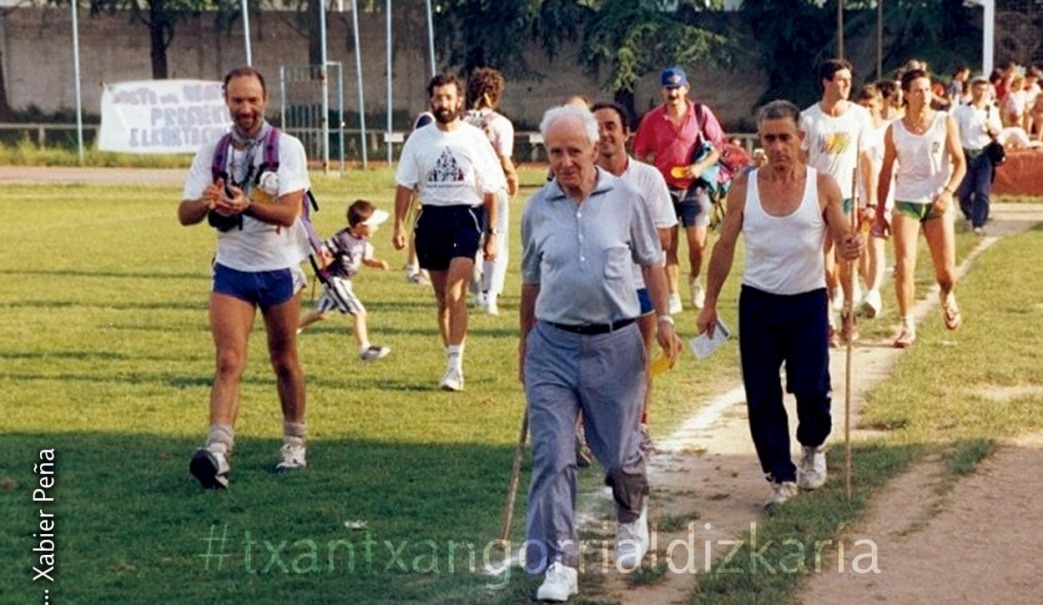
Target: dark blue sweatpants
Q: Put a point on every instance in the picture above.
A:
(776, 329)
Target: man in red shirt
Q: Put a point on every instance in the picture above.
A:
(684, 140)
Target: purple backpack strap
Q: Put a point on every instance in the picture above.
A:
(271, 151)
(220, 162)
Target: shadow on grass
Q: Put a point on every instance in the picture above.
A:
(366, 522)
(64, 274)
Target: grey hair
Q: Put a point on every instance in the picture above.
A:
(570, 112)
(779, 109)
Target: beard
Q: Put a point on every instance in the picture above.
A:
(248, 125)
(444, 115)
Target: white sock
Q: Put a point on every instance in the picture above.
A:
(455, 353)
(364, 347)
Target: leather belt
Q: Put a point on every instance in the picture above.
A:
(589, 329)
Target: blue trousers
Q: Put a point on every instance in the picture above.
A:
(975, 188)
(791, 330)
(602, 377)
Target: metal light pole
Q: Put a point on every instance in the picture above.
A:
(244, 5)
(879, 39)
(430, 38)
(324, 73)
(840, 29)
(387, 135)
(988, 41)
(76, 77)
(358, 72)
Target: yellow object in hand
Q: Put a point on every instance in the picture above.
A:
(659, 365)
(679, 172)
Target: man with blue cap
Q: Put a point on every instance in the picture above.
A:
(684, 140)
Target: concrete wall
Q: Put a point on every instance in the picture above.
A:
(38, 64)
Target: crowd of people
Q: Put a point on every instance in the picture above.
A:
(832, 184)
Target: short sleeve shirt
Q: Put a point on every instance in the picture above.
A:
(675, 146)
(654, 193)
(833, 142)
(496, 126)
(348, 253)
(258, 246)
(455, 168)
(581, 255)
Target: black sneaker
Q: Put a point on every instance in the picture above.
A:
(210, 468)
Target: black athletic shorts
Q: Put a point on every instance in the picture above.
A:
(447, 232)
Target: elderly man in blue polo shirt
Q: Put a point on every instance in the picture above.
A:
(581, 351)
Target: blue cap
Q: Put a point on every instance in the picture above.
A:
(673, 77)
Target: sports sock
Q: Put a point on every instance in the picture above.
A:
(294, 431)
(222, 436)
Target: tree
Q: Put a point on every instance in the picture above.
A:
(793, 36)
(632, 38)
(161, 17)
(627, 38)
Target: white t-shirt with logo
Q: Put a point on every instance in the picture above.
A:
(833, 143)
(455, 168)
(258, 246)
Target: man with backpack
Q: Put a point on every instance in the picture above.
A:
(685, 140)
(251, 186)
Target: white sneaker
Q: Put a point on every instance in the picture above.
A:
(374, 353)
(811, 474)
(558, 584)
(292, 454)
(698, 293)
(780, 493)
(632, 541)
(675, 303)
(873, 304)
(490, 305)
(480, 300)
(209, 465)
(453, 380)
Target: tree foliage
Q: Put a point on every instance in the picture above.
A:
(793, 36)
(631, 38)
(161, 17)
(621, 41)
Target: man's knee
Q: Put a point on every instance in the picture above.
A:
(286, 365)
(231, 363)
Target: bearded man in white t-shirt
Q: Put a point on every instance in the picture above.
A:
(457, 174)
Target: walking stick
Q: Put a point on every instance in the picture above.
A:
(512, 485)
(848, 312)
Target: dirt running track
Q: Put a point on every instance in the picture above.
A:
(977, 544)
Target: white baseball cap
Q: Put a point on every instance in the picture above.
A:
(378, 217)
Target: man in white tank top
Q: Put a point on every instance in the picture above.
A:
(785, 211)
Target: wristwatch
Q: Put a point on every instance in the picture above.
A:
(493, 231)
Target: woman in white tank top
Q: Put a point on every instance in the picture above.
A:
(925, 147)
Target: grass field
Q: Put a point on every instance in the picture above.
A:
(107, 361)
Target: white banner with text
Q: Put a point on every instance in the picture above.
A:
(162, 116)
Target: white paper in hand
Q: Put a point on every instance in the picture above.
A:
(703, 345)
